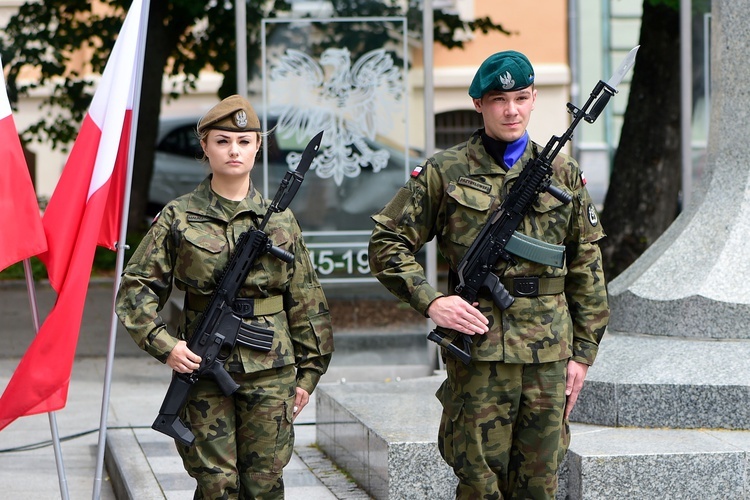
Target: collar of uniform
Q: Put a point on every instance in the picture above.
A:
(206, 203)
(479, 159)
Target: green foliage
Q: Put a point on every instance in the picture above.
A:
(16, 271)
(44, 37)
(105, 262)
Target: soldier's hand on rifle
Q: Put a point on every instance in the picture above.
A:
(183, 360)
(454, 313)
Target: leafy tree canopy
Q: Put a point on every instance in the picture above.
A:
(45, 43)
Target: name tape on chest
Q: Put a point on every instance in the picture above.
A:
(198, 218)
(474, 184)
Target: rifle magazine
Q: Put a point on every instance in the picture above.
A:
(256, 338)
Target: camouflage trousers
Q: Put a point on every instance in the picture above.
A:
(502, 428)
(242, 442)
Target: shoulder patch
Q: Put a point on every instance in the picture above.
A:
(479, 186)
(418, 170)
(593, 216)
(583, 178)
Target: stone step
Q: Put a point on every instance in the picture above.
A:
(625, 462)
(385, 436)
(651, 381)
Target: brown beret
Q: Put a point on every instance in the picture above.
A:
(234, 114)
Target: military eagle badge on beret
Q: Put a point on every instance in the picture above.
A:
(240, 118)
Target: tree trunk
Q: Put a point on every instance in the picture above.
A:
(160, 41)
(643, 196)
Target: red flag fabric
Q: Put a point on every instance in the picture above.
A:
(21, 233)
(79, 216)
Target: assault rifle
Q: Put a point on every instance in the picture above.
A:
(222, 326)
(498, 239)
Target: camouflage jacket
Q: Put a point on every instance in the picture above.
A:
(188, 246)
(451, 199)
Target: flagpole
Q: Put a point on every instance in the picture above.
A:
(121, 247)
(52, 417)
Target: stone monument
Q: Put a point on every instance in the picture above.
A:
(667, 399)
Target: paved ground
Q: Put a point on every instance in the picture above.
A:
(141, 458)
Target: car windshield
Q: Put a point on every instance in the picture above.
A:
(320, 205)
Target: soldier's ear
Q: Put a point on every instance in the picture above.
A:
(477, 104)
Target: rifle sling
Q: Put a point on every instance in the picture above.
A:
(249, 307)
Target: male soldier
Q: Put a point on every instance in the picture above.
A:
(504, 423)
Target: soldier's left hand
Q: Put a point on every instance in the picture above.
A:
(574, 384)
(300, 400)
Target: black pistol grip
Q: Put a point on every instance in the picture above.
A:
(225, 381)
(500, 295)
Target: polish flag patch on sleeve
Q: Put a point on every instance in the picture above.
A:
(583, 178)
(417, 171)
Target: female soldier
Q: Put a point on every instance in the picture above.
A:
(242, 442)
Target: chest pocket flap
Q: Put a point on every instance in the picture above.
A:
(470, 198)
(205, 241)
(472, 207)
(545, 202)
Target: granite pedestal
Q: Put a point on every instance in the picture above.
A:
(385, 436)
(672, 372)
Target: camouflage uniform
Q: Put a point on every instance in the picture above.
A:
(243, 441)
(502, 428)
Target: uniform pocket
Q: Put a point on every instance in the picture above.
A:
(469, 215)
(198, 256)
(546, 202)
(451, 439)
(321, 325)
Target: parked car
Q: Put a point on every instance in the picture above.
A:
(319, 205)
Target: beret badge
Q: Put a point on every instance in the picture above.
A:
(240, 118)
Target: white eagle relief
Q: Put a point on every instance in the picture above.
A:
(351, 103)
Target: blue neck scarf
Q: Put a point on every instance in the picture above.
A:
(506, 154)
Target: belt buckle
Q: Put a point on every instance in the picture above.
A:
(526, 286)
(244, 308)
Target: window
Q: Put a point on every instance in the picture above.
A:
(453, 127)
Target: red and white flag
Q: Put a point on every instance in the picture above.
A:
(82, 213)
(21, 233)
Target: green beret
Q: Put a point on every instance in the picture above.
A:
(509, 70)
(233, 114)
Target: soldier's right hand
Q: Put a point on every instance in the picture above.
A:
(454, 313)
(183, 360)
